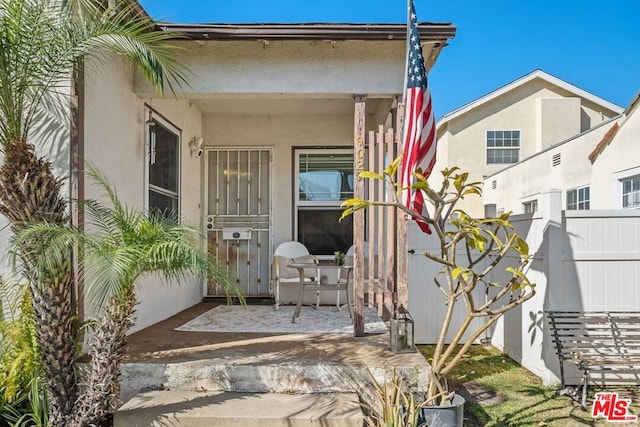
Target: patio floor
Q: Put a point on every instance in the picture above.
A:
(159, 356)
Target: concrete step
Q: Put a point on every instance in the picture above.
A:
(257, 376)
(227, 409)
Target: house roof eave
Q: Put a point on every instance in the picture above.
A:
(429, 32)
(524, 80)
(608, 137)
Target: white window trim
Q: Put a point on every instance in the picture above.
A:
(577, 190)
(487, 148)
(149, 113)
(297, 153)
(296, 173)
(618, 177)
(528, 202)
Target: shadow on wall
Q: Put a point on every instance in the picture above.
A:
(563, 291)
(50, 135)
(51, 132)
(527, 338)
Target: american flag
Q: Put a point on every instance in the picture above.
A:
(419, 136)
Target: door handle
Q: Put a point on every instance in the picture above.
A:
(411, 251)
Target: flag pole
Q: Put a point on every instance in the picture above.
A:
(408, 43)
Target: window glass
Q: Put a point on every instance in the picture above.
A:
(163, 169)
(321, 232)
(159, 202)
(324, 178)
(503, 146)
(631, 192)
(530, 207)
(578, 199)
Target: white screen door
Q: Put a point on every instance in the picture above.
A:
(238, 220)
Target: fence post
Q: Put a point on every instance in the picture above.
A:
(551, 205)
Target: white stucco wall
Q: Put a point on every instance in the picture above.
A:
(557, 120)
(115, 143)
(619, 159)
(532, 109)
(525, 181)
(367, 67)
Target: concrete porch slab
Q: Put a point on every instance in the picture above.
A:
(161, 358)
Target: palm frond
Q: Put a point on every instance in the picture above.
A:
(123, 31)
(120, 247)
(41, 41)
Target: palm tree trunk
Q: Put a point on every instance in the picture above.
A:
(100, 397)
(29, 193)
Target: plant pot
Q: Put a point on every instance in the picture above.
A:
(443, 416)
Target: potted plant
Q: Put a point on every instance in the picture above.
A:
(489, 245)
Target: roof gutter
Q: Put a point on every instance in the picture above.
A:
(429, 32)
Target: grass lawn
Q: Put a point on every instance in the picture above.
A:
(526, 401)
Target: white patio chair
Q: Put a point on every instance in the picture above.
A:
(285, 254)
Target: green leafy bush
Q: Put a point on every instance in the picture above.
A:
(19, 355)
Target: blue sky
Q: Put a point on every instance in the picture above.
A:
(592, 44)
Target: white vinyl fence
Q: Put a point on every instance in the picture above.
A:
(582, 260)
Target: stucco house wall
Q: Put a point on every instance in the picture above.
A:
(302, 67)
(525, 181)
(567, 166)
(543, 112)
(115, 142)
(620, 159)
(277, 94)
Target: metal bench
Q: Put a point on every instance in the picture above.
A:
(596, 342)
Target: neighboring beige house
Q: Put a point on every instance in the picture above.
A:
(597, 169)
(259, 149)
(512, 123)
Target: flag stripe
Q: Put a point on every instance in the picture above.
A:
(419, 139)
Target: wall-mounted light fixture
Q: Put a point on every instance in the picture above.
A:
(195, 145)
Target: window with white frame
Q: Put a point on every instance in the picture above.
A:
(578, 199)
(323, 180)
(631, 192)
(503, 146)
(163, 180)
(530, 207)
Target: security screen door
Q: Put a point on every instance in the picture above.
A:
(238, 220)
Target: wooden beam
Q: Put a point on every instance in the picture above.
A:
(76, 183)
(390, 226)
(402, 291)
(358, 217)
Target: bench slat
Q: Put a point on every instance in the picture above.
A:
(601, 342)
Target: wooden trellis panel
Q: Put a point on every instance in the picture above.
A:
(380, 249)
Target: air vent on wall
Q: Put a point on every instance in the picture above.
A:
(494, 184)
(555, 160)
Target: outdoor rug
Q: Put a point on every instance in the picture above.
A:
(264, 319)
